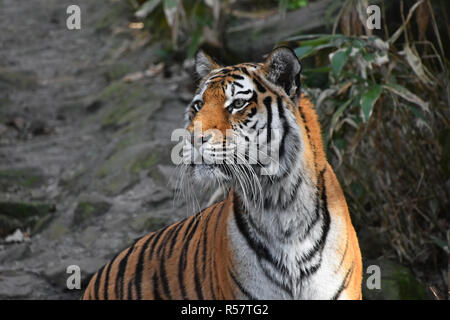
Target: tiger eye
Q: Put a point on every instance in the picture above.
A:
(198, 105)
(238, 103)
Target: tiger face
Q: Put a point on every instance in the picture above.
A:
(242, 120)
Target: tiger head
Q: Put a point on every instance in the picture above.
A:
(243, 120)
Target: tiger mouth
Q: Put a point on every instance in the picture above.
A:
(212, 170)
(223, 172)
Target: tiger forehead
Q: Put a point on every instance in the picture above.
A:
(228, 81)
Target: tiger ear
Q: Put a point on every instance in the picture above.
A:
(204, 64)
(283, 69)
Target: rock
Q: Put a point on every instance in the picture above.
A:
(397, 283)
(17, 236)
(88, 236)
(39, 127)
(18, 123)
(86, 210)
(21, 215)
(56, 230)
(148, 223)
(3, 128)
(116, 71)
(94, 106)
(15, 285)
(17, 79)
(21, 177)
(14, 252)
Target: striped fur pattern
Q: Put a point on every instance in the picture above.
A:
(287, 235)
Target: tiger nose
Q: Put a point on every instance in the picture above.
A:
(198, 139)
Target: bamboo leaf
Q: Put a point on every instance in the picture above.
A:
(419, 69)
(302, 52)
(170, 11)
(399, 31)
(147, 8)
(338, 60)
(368, 100)
(338, 113)
(407, 95)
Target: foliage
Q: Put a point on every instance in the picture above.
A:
(191, 23)
(384, 107)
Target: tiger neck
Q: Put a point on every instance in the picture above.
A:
(289, 206)
(274, 244)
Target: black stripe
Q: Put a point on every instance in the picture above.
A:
(198, 286)
(155, 242)
(108, 270)
(216, 76)
(237, 77)
(163, 275)
(121, 273)
(280, 285)
(309, 271)
(244, 92)
(345, 251)
(318, 246)
(282, 116)
(213, 262)
(293, 194)
(259, 86)
(175, 238)
(244, 70)
(167, 235)
(140, 267)
(257, 246)
(205, 237)
(240, 286)
(344, 283)
(130, 291)
(183, 258)
(105, 289)
(156, 294)
(97, 283)
(267, 102)
(308, 133)
(314, 221)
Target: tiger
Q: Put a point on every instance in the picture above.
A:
(278, 234)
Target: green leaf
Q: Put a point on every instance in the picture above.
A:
(302, 52)
(338, 60)
(338, 113)
(169, 4)
(368, 100)
(316, 37)
(147, 8)
(407, 95)
(442, 244)
(415, 111)
(369, 57)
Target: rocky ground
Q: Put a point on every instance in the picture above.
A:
(85, 162)
(84, 156)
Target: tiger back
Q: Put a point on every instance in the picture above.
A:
(283, 230)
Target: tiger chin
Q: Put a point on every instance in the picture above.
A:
(283, 231)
